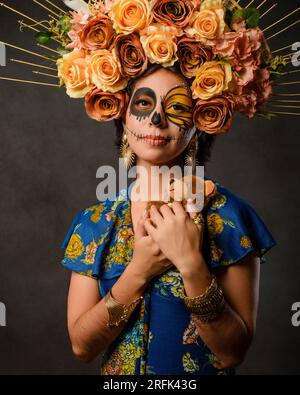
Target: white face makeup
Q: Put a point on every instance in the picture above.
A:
(159, 121)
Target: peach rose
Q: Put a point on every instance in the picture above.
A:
(129, 48)
(159, 43)
(208, 24)
(192, 55)
(173, 12)
(211, 79)
(105, 106)
(97, 33)
(130, 15)
(75, 73)
(214, 116)
(106, 71)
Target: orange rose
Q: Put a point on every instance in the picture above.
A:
(214, 116)
(173, 12)
(208, 23)
(192, 55)
(97, 33)
(211, 79)
(129, 48)
(106, 71)
(105, 106)
(74, 72)
(130, 15)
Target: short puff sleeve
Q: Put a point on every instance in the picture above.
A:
(86, 239)
(233, 229)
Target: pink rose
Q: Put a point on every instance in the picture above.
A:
(263, 85)
(247, 103)
(244, 50)
(255, 94)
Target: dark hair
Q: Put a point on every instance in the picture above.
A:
(205, 140)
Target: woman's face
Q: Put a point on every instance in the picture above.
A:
(158, 119)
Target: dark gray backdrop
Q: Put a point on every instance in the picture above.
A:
(49, 154)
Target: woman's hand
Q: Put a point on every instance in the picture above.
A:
(148, 260)
(175, 233)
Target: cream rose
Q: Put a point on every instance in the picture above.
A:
(130, 15)
(106, 71)
(208, 24)
(159, 43)
(211, 80)
(74, 72)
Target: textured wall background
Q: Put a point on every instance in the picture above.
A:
(49, 154)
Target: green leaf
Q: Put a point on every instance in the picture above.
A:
(250, 15)
(43, 37)
(64, 24)
(238, 14)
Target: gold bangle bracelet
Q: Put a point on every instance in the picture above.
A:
(208, 305)
(118, 312)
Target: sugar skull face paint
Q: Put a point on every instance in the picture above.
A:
(159, 118)
(177, 105)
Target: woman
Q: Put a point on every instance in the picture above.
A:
(161, 256)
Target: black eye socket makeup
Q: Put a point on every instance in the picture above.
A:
(143, 103)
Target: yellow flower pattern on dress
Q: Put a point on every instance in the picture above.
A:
(245, 242)
(218, 201)
(216, 252)
(97, 211)
(170, 282)
(215, 224)
(190, 365)
(75, 247)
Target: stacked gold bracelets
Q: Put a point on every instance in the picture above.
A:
(118, 312)
(208, 305)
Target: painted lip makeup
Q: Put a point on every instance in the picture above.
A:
(155, 140)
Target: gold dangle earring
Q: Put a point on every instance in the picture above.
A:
(191, 156)
(126, 152)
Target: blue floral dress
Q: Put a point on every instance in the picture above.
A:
(159, 337)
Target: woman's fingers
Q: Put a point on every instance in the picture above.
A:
(150, 228)
(166, 211)
(178, 209)
(156, 216)
(140, 230)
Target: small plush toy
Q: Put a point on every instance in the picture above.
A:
(182, 189)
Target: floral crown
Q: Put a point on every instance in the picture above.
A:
(101, 44)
